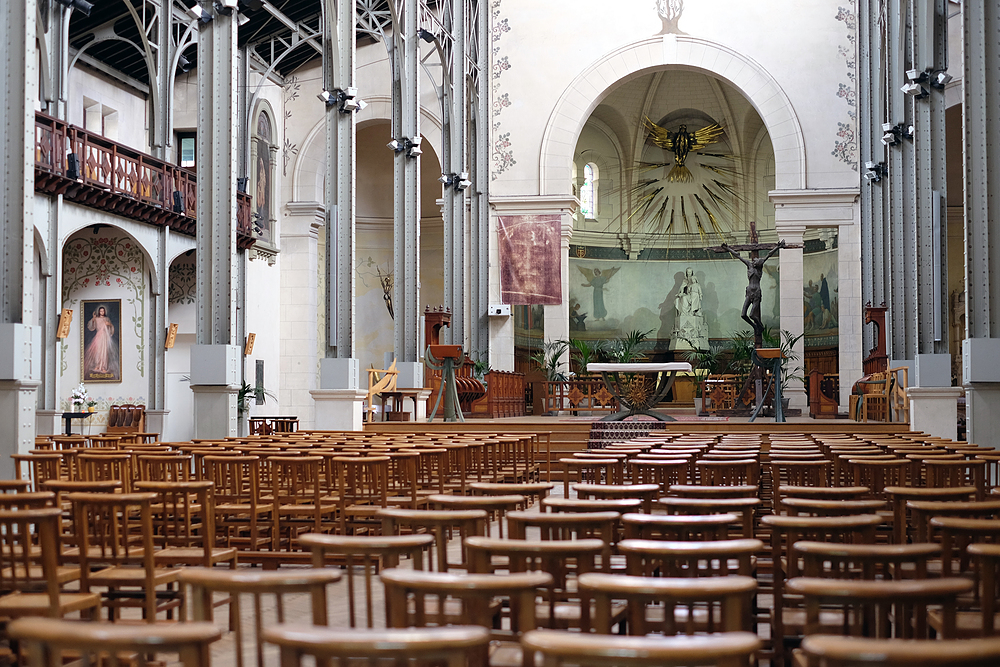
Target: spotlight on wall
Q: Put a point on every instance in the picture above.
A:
(413, 150)
(874, 171)
(396, 145)
(183, 64)
(81, 6)
(914, 79)
(178, 202)
(242, 20)
(940, 78)
(328, 98)
(72, 166)
(226, 7)
(426, 35)
(463, 181)
(199, 13)
(890, 134)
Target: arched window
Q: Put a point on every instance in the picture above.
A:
(588, 191)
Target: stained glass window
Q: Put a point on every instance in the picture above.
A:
(588, 191)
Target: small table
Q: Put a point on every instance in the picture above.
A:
(636, 398)
(70, 416)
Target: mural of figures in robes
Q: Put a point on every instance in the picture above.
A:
(598, 280)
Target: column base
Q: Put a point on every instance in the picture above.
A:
(934, 410)
(17, 421)
(339, 409)
(982, 413)
(214, 411)
(156, 421)
(49, 422)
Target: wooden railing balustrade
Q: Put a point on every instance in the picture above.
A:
(118, 179)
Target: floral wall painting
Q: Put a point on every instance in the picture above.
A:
(101, 327)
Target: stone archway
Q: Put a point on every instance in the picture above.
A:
(677, 51)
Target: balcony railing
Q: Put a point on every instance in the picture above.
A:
(112, 177)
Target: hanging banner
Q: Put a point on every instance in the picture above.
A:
(530, 259)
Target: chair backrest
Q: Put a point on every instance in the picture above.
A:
(831, 651)
(882, 609)
(268, 592)
(694, 527)
(564, 525)
(29, 546)
(441, 524)
(372, 554)
(49, 641)
(456, 646)
(866, 561)
(165, 467)
(558, 647)
(723, 603)
(407, 594)
(706, 558)
(185, 515)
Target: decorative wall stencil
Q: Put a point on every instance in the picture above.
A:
(109, 261)
(845, 146)
(530, 259)
(502, 155)
(183, 281)
(670, 13)
(290, 93)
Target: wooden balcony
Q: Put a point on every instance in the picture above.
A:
(121, 180)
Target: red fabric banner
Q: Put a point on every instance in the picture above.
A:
(530, 259)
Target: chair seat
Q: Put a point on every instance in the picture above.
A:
(831, 622)
(37, 604)
(506, 654)
(567, 614)
(968, 624)
(306, 509)
(132, 576)
(240, 508)
(64, 574)
(194, 556)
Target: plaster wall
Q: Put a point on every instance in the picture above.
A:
(132, 117)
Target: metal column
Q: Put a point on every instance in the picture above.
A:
(453, 163)
(406, 184)
(215, 360)
(479, 167)
(20, 342)
(981, 98)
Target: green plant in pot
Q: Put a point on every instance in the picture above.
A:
(248, 392)
(705, 363)
(584, 352)
(790, 369)
(626, 350)
(549, 360)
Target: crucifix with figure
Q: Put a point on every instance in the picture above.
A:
(751, 315)
(755, 270)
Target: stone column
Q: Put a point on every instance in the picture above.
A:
(20, 341)
(299, 308)
(790, 304)
(934, 410)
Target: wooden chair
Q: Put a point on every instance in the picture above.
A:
(114, 537)
(707, 558)
(899, 401)
(497, 506)
(454, 646)
(922, 511)
(866, 561)
(830, 651)
(362, 490)
(785, 532)
(785, 473)
(743, 507)
(416, 599)
(904, 525)
(532, 491)
(670, 606)
(31, 561)
(565, 526)
(15, 485)
(687, 527)
(561, 605)
(165, 467)
(663, 472)
(734, 472)
(372, 553)
(987, 557)
(593, 471)
(592, 505)
(442, 525)
(556, 648)
(262, 588)
(811, 507)
(51, 641)
(711, 491)
(881, 609)
(379, 381)
(298, 504)
(644, 492)
(241, 518)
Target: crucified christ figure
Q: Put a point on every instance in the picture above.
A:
(755, 270)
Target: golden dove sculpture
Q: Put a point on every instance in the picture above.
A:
(682, 143)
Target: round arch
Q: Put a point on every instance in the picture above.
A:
(579, 100)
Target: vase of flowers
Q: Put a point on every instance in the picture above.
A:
(79, 399)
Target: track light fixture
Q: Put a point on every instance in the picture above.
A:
(913, 87)
(874, 171)
(347, 99)
(226, 7)
(411, 146)
(460, 181)
(199, 13)
(891, 134)
(183, 64)
(426, 35)
(81, 6)
(940, 78)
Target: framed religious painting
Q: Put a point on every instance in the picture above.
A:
(101, 355)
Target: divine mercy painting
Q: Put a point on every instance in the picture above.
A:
(101, 327)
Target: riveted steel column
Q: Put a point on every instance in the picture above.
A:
(980, 128)
(20, 355)
(215, 367)
(479, 166)
(339, 54)
(54, 55)
(871, 113)
(456, 118)
(927, 189)
(406, 185)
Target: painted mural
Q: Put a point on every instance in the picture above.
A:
(609, 298)
(820, 286)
